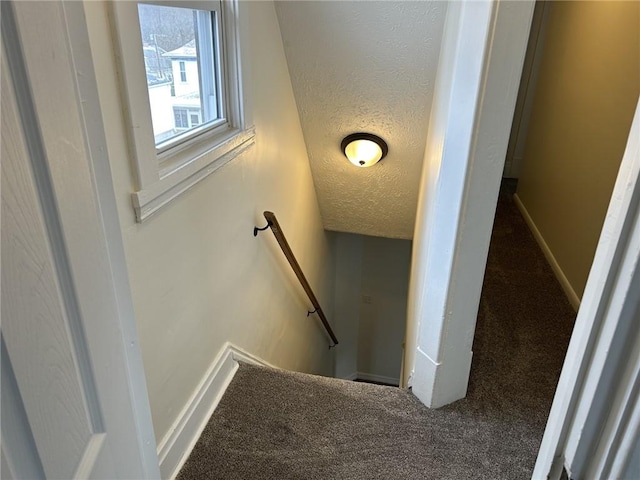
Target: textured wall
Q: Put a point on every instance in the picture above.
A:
(198, 276)
(364, 66)
(587, 90)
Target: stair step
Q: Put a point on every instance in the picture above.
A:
(277, 424)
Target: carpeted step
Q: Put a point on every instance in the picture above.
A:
(276, 424)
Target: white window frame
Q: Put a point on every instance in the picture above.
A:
(162, 174)
(183, 71)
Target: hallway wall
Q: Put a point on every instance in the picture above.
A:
(587, 90)
(198, 276)
(383, 310)
(347, 298)
(371, 289)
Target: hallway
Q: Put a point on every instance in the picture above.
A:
(273, 424)
(524, 325)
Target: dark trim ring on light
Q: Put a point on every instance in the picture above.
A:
(360, 162)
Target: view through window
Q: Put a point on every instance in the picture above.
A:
(183, 69)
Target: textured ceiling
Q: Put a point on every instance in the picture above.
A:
(364, 66)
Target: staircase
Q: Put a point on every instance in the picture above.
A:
(276, 424)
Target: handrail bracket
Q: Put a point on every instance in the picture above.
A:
(258, 229)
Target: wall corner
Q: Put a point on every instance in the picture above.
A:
(437, 384)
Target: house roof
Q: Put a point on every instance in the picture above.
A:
(188, 50)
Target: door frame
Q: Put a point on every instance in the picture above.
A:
(526, 91)
(81, 184)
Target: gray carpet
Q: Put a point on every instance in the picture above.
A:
(282, 425)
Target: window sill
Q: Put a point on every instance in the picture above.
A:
(149, 200)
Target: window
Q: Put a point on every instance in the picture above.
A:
(189, 41)
(180, 118)
(184, 94)
(185, 118)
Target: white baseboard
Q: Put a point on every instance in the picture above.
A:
(370, 377)
(175, 447)
(353, 376)
(555, 266)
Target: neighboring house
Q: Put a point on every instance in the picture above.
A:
(174, 89)
(187, 110)
(184, 67)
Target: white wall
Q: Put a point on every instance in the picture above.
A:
(383, 309)
(198, 276)
(428, 187)
(347, 296)
(371, 287)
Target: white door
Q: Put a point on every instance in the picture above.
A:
(73, 394)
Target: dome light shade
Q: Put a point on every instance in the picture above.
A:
(364, 149)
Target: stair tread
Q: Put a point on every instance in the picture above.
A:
(279, 424)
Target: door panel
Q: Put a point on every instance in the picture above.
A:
(17, 440)
(74, 401)
(41, 327)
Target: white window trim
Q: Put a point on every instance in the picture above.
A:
(161, 176)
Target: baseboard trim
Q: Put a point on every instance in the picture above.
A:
(177, 444)
(555, 266)
(351, 377)
(370, 377)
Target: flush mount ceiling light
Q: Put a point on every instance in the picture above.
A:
(364, 149)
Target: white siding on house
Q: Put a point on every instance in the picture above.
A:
(161, 110)
(191, 84)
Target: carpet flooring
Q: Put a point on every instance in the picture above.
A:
(275, 424)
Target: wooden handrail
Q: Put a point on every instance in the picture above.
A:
(272, 222)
